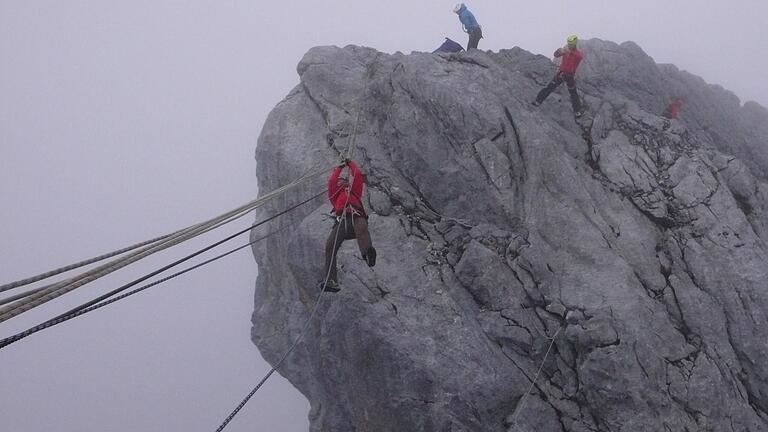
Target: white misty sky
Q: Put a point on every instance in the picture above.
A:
(120, 121)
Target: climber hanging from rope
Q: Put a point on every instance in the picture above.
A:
(346, 196)
(673, 108)
(469, 24)
(571, 57)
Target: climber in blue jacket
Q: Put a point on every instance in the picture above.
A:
(470, 25)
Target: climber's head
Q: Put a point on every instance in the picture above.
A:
(572, 41)
(459, 7)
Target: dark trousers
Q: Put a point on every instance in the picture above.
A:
(350, 227)
(474, 38)
(570, 81)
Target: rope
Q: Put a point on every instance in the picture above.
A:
(66, 286)
(522, 401)
(293, 346)
(83, 263)
(13, 298)
(306, 324)
(182, 235)
(94, 304)
(353, 139)
(274, 368)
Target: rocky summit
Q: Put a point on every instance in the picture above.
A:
(536, 272)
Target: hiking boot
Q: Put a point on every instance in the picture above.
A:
(370, 256)
(331, 286)
(536, 103)
(578, 113)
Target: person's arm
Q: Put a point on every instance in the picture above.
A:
(559, 52)
(463, 25)
(468, 20)
(332, 183)
(357, 179)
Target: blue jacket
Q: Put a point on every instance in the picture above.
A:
(467, 19)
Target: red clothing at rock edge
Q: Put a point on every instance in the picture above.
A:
(673, 109)
(339, 190)
(571, 59)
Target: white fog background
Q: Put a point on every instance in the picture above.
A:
(124, 120)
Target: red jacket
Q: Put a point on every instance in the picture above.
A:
(339, 192)
(672, 109)
(571, 59)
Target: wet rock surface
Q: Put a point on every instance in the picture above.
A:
(633, 245)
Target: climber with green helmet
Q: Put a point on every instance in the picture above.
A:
(571, 57)
(469, 24)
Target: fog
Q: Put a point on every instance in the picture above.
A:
(120, 121)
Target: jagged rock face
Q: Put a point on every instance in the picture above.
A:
(634, 243)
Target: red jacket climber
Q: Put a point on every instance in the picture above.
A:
(571, 57)
(341, 194)
(673, 108)
(351, 222)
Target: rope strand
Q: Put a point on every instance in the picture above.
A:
(94, 304)
(525, 396)
(83, 263)
(28, 293)
(66, 286)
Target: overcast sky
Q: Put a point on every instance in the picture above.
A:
(120, 121)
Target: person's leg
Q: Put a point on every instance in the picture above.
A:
(570, 81)
(474, 39)
(332, 245)
(364, 241)
(545, 92)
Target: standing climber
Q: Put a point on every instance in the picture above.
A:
(571, 57)
(469, 24)
(673, 108)
(351, 221)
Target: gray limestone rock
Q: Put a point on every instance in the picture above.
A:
(629, 247)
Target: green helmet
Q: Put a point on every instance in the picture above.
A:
(572, 40)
